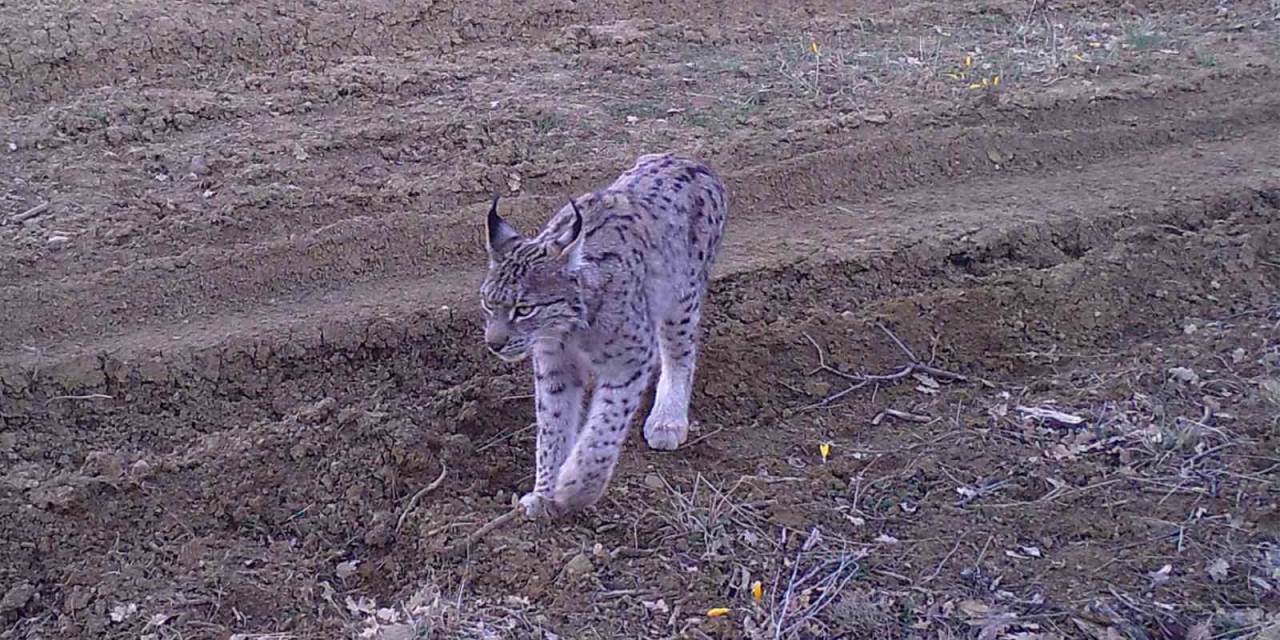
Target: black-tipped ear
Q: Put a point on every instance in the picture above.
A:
(566, 243)
(499, 234)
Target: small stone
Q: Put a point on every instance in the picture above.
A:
(654, 481)
(817, 388)
(318, 411)
(396, 632)
(140, 470)
(580, 565)
(17, 597)
(346, 569)
(58, 241)
(199, 165)
(1184, 374)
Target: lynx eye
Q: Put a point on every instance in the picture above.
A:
(523, 311)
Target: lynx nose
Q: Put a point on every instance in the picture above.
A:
(496, 339)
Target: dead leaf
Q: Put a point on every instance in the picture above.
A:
(1271, 390)
(1218, 569)
(1161, 575)
(122, 612)
(998, 157)
(1184, 374)
(1201, 631)
(347, 569)
(973, 609)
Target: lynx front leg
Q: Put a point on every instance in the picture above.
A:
(585, 475)
(558, 392)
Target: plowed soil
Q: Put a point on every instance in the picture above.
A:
(993, 348)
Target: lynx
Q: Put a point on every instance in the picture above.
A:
(610, 290)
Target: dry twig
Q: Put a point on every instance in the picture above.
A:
(497, 523)
(29, 213)
(444, 469)
(860, 380)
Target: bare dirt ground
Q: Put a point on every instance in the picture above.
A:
(1013, 266)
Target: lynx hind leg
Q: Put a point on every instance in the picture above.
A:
(667, 426)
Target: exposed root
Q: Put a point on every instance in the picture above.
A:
(444, 469)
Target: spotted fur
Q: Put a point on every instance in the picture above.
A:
(608, 292)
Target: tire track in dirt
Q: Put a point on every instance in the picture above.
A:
(201, 286)
(983, 219)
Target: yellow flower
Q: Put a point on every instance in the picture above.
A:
(825, 450)
(995, 81)
(718, 612)
(968, 61)
(813, 46)
(757, 591)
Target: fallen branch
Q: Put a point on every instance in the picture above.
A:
(91, 396)
(497, 523)
(901, 415)
(860, 380)
(29, 213)
(444, 469)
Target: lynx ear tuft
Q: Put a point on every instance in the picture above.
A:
(567, 244)
(500, 235)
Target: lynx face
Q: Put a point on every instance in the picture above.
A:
(531, 292)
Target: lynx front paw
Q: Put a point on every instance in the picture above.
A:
(665, 433)
(537, 506)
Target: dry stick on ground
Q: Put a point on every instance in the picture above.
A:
(502, 437)
(422, 492)
(862, 379)
(496, 523)
(91, 396)
(29, 213)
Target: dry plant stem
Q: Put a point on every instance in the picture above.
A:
(860, 380)
(444, 469)
(29, 213)
(502, 437)
(497, 523)
(91, 396)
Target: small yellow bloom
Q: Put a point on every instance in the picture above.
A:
(757, 591)
(995, 81)
(975, 86)
(718, 612)
(968, 61)
(825, 450)
(1079, 56)
(813, 46)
